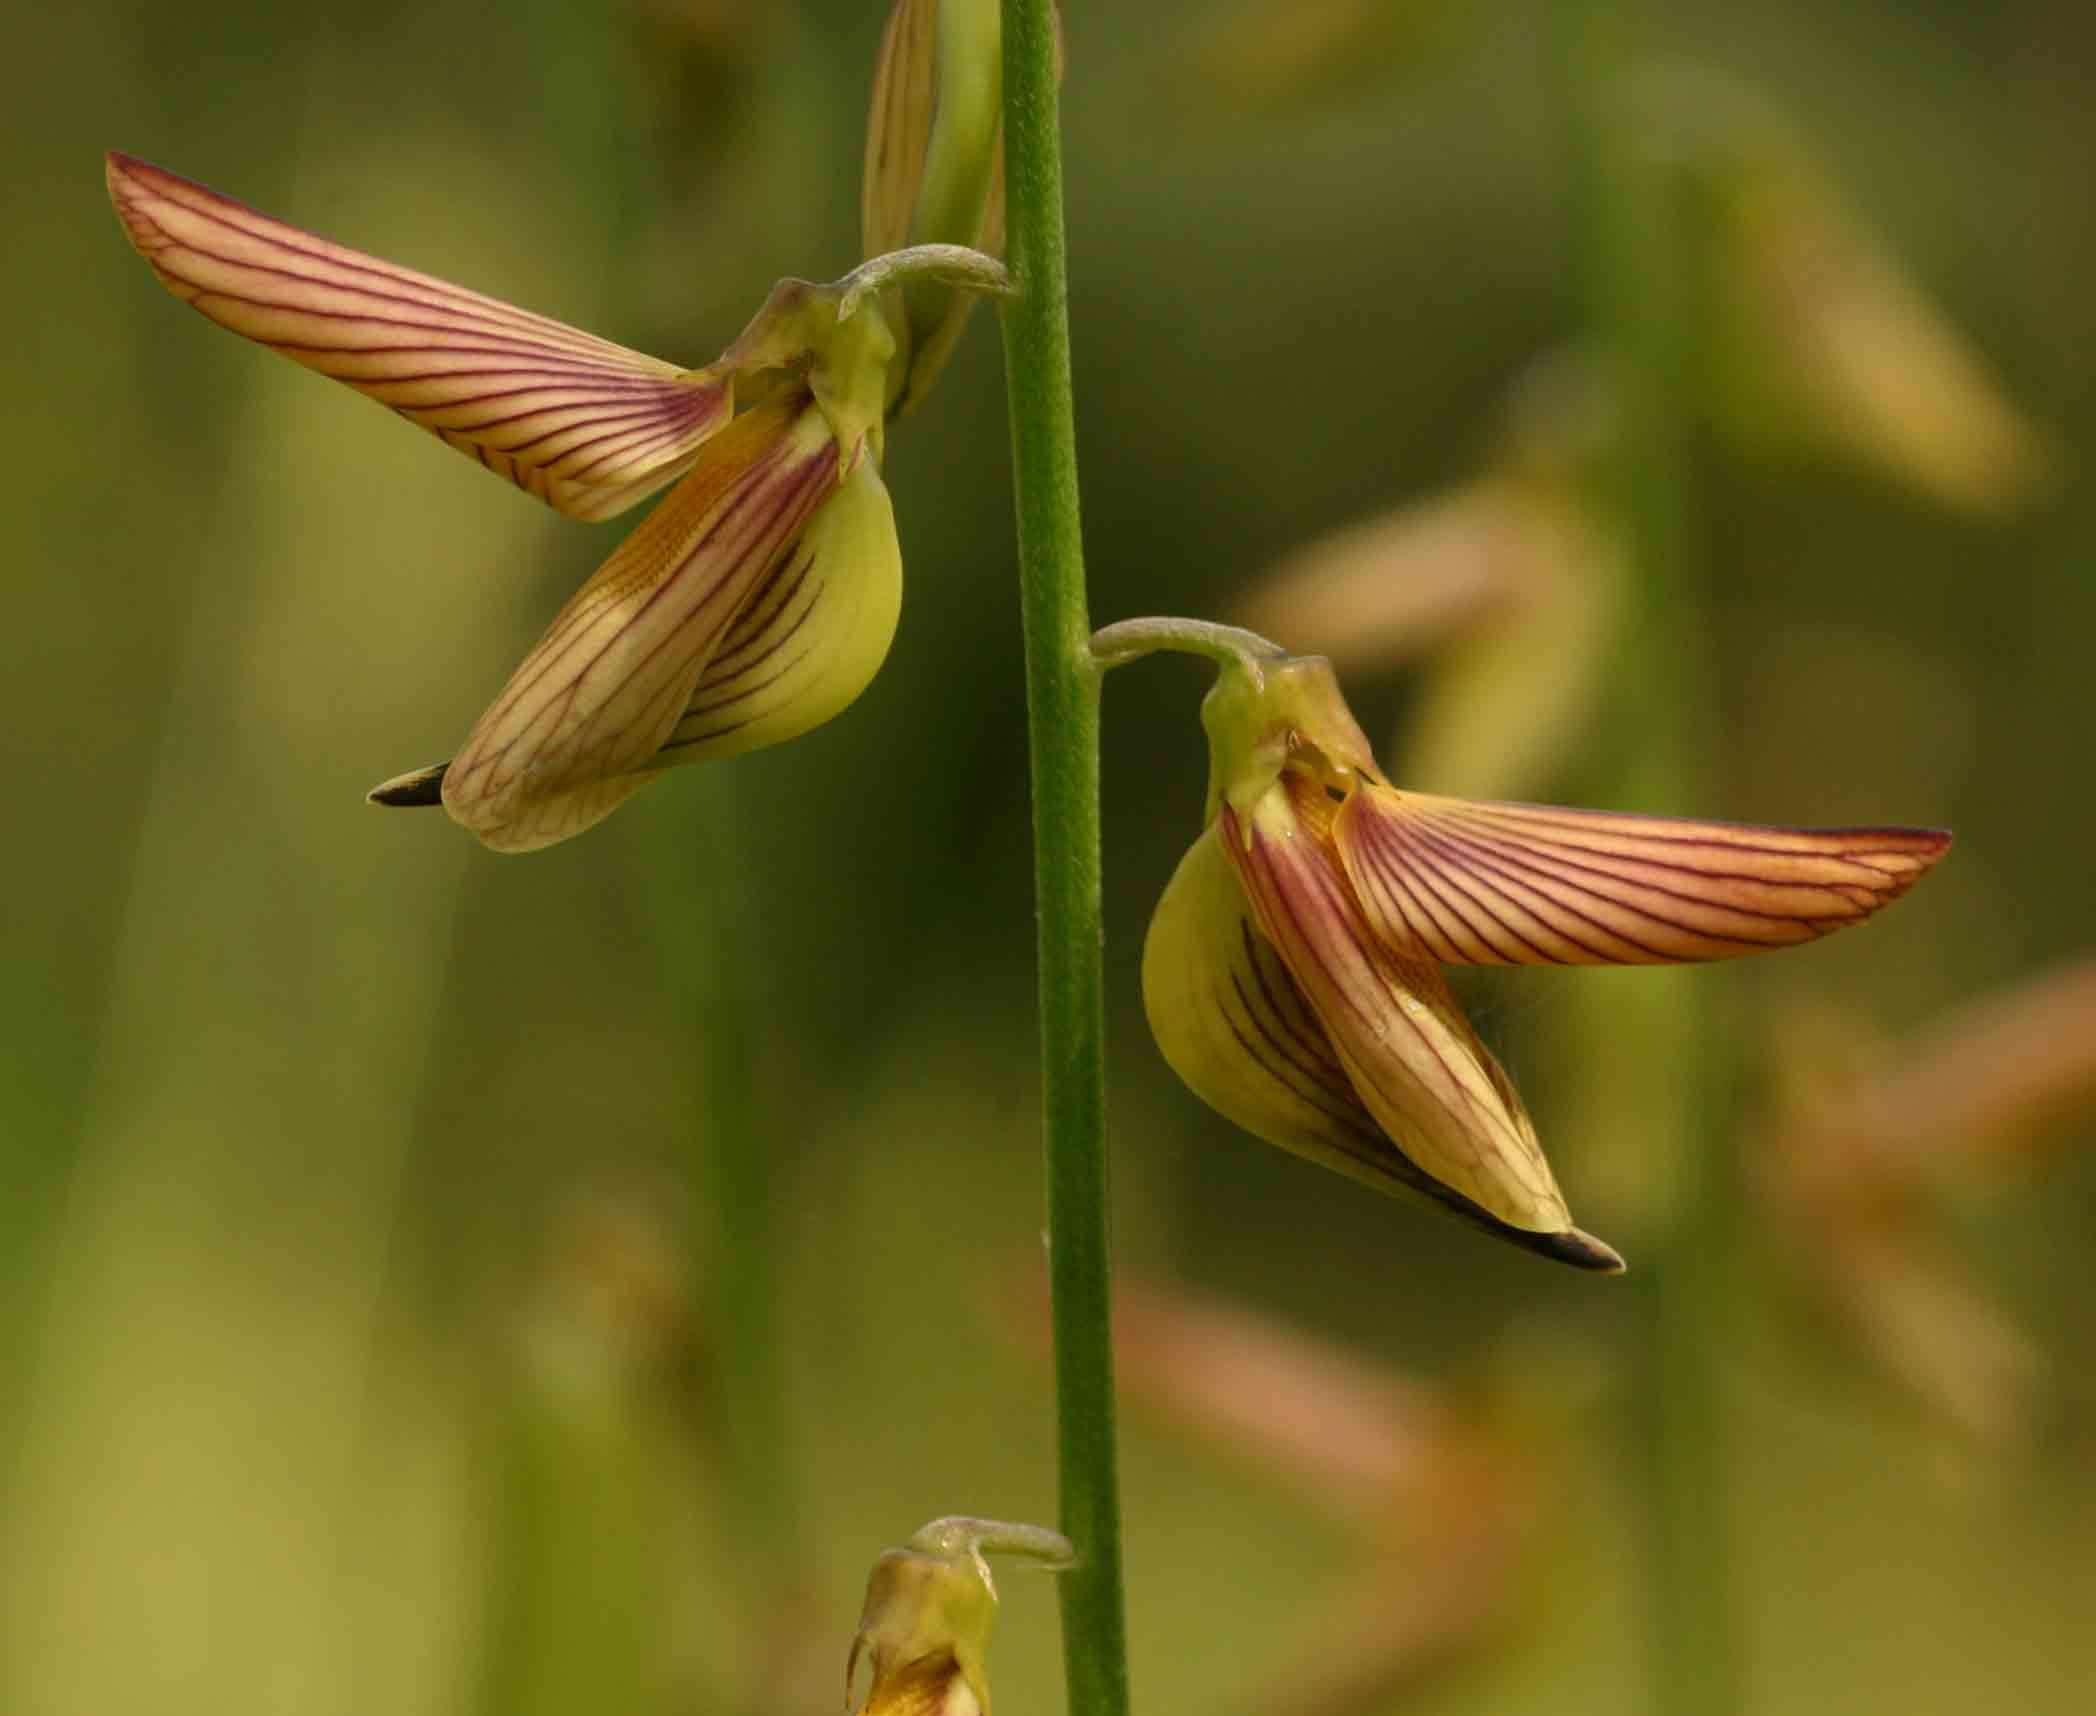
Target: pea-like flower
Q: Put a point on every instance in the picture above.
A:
(1292, 973)
(761, 596)
(925, 1630)
(754, 603)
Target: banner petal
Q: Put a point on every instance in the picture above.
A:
(1516, 884)
(577, 728)
(587, 426)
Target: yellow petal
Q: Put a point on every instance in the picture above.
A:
(811, 639)
(1318, 1041)
(1231, 1023)
(594, 701)
(931, 1686)
(1513, 884)
(587, 426)
(1406, 1047)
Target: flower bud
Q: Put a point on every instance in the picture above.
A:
(925, 1629)
(934, 167)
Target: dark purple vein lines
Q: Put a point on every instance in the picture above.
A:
(587, 426)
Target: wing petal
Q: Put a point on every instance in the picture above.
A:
(1232, 1024)
(811, 639)
(587, 426)
(1432, 1088)
(1517, 884)
(578, 726)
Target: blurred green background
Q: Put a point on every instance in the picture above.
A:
(366, 1339)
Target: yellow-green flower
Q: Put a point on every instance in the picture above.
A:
(1292, 971)
(754, 603)
(924, 1633)
(761, 596)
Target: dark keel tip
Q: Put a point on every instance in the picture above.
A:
(1581, 1250)
(420, 787)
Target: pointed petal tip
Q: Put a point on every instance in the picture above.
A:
(1925, 843)
(123, 176)
(416, 787)
(581, 725)
(1581, 1250)
(122, 172)
(1902, 855)
(122, 164)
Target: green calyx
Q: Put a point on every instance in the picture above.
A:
(840, 342)
(1267, 711)
(831, 340)
(933, 1600)
(1266, 716)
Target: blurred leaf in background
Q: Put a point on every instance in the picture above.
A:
(1871, 1141)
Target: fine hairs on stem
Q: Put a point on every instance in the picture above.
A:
(1062, 700)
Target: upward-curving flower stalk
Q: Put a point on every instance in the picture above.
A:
(1292, 971)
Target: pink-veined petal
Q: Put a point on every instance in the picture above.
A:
(578, 726)
(1231, 1021)
(1515, 884)
(1409, 1053)
(808, 642)
(587, 426)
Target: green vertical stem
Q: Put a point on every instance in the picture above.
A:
(1062, 696)
(1632, 226)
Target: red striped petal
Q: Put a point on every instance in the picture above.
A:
(811, 639)
(1514, 884)
(591, 705)
(587, 426)
(1234, 1024)
(1410, 1054)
